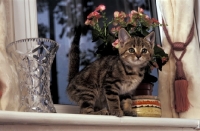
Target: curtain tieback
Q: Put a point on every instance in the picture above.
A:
(181, 84)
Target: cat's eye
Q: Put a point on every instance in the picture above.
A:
(131, 50)
(144, 50)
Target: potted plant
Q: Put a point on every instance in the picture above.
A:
(136, 23)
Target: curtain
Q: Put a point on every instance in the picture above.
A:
(179, 16)
(9, 92)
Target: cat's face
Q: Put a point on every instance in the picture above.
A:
(136, 51)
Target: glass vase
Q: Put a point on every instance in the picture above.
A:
(32, 59)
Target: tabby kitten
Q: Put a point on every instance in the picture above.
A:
(104, 87)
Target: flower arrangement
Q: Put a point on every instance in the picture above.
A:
(136, 23)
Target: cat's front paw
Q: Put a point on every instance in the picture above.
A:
(117, 112)
(130, 113)
(104, 112)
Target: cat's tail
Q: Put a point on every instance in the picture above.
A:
(74, 58)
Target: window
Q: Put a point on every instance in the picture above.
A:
(57, 19)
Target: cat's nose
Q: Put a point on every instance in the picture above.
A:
(138, 56)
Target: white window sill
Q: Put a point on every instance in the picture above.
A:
(22, 120)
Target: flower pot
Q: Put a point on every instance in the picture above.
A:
(32, 59)
(144, 89)
(146, 106)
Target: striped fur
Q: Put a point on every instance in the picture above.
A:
(104, 87)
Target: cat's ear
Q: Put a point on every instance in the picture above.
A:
(151, 38)
(123, 36)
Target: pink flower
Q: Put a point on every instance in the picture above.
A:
(119, 18)
(118, 28)
(116, 14)
(94, 14)
(140, 10)
(90, 22)
(155, 21)
(133, 12)
(87, 22)
(115, 30)
(115, 23)
(131, 18)
(146, 16)
(116, 44)
(100, 8)
(164, 59)
(122, 14)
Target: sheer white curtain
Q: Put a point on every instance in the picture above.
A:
(9, 93)
(179, 15)
(18, 21)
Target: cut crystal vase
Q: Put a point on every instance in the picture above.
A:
(32, 60)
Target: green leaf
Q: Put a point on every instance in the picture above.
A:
(149, 78)
(144, 30)
(159, 62)
(159, 51)
(95, 35)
